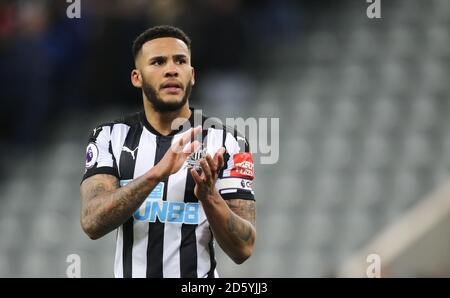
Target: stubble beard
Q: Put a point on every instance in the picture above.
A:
(159, 104)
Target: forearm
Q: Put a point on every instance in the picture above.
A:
(235, 235)
(110, 209)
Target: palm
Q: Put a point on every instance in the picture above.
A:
(176, 161)
(205, 183)
(175, 157)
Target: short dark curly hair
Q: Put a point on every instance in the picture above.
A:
(158, 32)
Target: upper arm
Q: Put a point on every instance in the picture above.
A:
(236, 177)
(235, 183)
(96, 185)
(99, 154)
(101, 173)
(90, 189)
(245, 209)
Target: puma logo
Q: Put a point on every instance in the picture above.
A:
(126, 149)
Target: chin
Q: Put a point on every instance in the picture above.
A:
(172, 99)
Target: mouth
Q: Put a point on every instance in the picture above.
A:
(172, 87)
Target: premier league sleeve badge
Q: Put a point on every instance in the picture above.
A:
(91, 155)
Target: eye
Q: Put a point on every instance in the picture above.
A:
(157, 62)
(181, 61)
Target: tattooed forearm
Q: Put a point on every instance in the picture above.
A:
(244, 209)
(240, 228)
(105, 205)
(242, 218)
(233, 225)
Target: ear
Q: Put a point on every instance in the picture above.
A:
(193, 77)
(136, 78)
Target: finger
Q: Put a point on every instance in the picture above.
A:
(190, 135)
(188, 149)
(211, 163)
(178, 146)
(182, 141)
(206, 169)
(220, 151)
(220, 162)
(219, 158)
(196, 176)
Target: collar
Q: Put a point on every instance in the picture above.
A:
(182, 128)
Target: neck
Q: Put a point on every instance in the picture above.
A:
(162, 121)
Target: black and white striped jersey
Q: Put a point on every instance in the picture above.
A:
(169, 235)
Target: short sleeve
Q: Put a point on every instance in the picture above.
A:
(99, 158)
(236, 177)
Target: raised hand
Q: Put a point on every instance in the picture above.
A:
(178, 153)
(206, 182)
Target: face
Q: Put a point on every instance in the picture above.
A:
(164, 72)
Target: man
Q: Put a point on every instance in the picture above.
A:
(167, 199)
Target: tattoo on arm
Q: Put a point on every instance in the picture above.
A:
(242, 220)
(97, 185)
(239, 228)
(105, 205)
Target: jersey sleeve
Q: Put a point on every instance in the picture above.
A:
(237, 175)
(99, 158)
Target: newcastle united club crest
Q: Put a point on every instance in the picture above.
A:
(193, 160)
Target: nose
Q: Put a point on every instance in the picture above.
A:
(171, 70)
